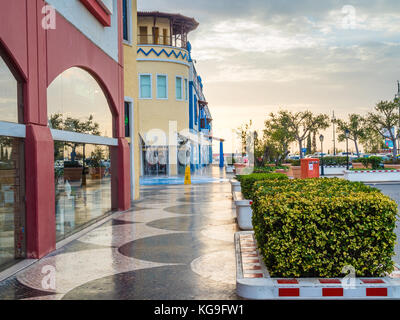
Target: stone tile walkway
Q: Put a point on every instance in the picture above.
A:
(177, 243)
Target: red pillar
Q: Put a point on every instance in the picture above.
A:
(40, 211)
(124, 175)
(39, 147)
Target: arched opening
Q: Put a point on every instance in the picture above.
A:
(81, 122)
(12, 182)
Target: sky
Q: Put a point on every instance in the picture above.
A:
(258, 56)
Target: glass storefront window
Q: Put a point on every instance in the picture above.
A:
(12, 210)
(83, 185)
(76, 102)
(8, 95)
(155, 160)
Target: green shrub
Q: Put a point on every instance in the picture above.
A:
(247, 181)
(365, 162)
(295, 163)
(375, 162)
(264, 169)
(335, 161)
(314, 227)
(269, 169)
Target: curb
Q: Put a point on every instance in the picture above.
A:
(254, 282)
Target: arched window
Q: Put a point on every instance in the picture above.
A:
(12, 184)
(76, 102)
(81, 123)
(9, 95)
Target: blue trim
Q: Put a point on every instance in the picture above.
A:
(210, 155)
(184, 56)
(190, 104)
(221, 154)
(195, 111)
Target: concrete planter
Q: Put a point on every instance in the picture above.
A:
(235, 186)
(333, 170)
(253, 280)
(290, 171)
(97, 173)
(373, 175)
(239, 167)
(359, 165)
(243, 211)
(73, 174)
(281, 171)
(392, 166)
(296, 172)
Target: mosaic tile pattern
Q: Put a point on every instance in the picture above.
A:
(176, 243)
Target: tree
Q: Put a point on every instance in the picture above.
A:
(243, 133)
(301, 124)
(371, 141)
(383, 121)
(309, 144)
(356, 127)
(88, 126)
(277, 136)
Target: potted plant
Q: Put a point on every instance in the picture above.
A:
(361, 163)
(392, 165)
(295, 169)
(97, 168)
(73, 171)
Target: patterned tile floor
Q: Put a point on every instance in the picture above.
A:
(177, 243)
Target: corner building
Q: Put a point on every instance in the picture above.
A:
(170, 108)
(64, 161)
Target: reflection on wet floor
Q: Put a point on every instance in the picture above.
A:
(164, 248)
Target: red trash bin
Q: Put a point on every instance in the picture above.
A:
(309, 168)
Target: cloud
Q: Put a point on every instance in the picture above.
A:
(258, 55)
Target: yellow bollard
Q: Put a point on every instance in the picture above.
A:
(187, 175)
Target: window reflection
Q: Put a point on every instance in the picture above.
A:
(83, 185)
(12, 217)
(76, 102)
(8, 94)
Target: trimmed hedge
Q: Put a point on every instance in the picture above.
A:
(335, 161)
(315, 227)
(247, 181)
(269, 169)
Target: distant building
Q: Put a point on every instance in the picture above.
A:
(131, 91)
(174, 119)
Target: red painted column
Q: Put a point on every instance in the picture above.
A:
(124, 175)
(39, 147)
(123, 158)
(40, 215)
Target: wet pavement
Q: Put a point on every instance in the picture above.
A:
(392, 190)
(176, 243)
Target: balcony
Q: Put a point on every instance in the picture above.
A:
(150, 39)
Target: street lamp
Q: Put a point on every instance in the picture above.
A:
(347, 133)
(321, 138)
(334, 138)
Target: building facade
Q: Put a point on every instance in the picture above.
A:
(171, 103)
(65, 161)
(131, 105)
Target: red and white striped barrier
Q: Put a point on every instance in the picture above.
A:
(372, 171)
(373, 175)
(254, 282)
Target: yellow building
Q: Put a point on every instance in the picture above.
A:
(131, 90)
(163, 71)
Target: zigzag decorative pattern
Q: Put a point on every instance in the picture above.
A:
(180, 54)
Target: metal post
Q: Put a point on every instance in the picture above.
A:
(322, 160)
(334, 138)
(221, 154)
(347, 153)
